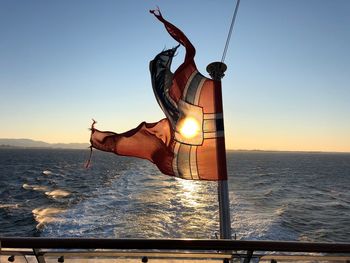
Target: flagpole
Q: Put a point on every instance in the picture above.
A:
(216, 71)
(224, 210)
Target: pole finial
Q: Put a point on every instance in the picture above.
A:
(216, 70)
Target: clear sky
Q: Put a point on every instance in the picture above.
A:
(287, 86)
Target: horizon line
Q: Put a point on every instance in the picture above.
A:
(236, 150)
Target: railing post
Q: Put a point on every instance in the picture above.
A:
(39, 256)
(249, 256)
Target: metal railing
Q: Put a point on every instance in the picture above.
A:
(142, 250)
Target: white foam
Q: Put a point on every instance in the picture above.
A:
(47, 172)
(9, 205)
(26, 186)
(35, 187)
(280, 211)
(47, 215)
(58, 193)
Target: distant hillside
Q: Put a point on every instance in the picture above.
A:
(28, 143)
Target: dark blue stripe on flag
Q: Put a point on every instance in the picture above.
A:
(192, 89)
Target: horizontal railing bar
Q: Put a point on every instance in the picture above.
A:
(139, 254)
(304, 257)
(177, 255)
(171, 244)
(173, 255)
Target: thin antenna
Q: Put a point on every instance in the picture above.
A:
(230, 31)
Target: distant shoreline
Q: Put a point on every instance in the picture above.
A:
(3, 147)
(29, 143)
(41, 148)
(33, 144)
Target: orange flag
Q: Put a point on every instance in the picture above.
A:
(189, 143)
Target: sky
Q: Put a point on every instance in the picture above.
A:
(287, 86)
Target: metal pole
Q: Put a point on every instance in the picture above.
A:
(216, 71)
(224, 210)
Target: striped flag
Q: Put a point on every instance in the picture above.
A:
(189, 143)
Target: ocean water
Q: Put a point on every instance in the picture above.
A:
(273, 196)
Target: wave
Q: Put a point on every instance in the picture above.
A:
(47, 215)
(9, 206)
(47, 172)
(58, 193)
(40, 188)
(268, 192)
(280, 211)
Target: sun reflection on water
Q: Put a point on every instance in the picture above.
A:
(189, 192)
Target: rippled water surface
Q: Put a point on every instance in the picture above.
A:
(273, 196)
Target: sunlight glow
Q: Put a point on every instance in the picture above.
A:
(189, 128)
(189, 192)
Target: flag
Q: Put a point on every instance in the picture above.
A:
(189, 143)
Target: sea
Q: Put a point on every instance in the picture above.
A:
(292, 196)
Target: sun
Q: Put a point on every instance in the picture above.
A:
(189, 128)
